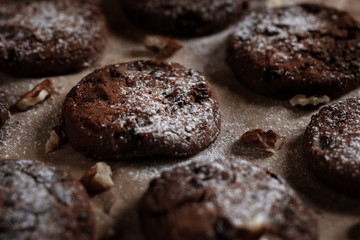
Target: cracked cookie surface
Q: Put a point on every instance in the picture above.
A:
(223, 200)
(332, 145)
(185, 17)
(4, 108)
(299, 49)
(141, 109)
(43, 37)
(38, 201)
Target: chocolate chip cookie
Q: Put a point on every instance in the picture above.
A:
(4, 108)
(141, 109)
(299, 49)
(43, 37)
(185, 17)
(223, 200)
(332, 145)
(38, 201)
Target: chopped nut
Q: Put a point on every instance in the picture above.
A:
(53, 143)
(268, 141)
(162, 45)
(38, 94)
(303, 100)
(255, 225)
(56, 138)
(274, 3)
(98, 178)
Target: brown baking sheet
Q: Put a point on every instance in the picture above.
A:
(25, 134)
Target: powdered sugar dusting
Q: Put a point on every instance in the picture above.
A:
(38, 26)
(298, 49)
(246, 197)
(241, 110)
(4, 108)
(335, 133)
(167, 103)
(292, 22)
(25, 132)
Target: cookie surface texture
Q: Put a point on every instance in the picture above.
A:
(38, 201)
(141, 109)
(45, 37)
(298, 49)
(332, 145)
(4, 108)
(223, 200)
(185, 17)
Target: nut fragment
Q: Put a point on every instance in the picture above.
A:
(162, 45)
(98, 178)
(38, 94)
(56, 138)
(268, 141)
(274, 3)
(255, 225)
(303, 100)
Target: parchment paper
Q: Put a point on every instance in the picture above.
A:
(25, 134)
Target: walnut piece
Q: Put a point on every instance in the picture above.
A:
(38, 94)
(274, 3)
(55, 140)
(98, 178)
(268, 141)
(255, 225)
(162, 45)
(303, 100)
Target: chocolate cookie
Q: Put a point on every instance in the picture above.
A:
(223, 200)
(43, 37)
(42, 202)
(141, 109)
(300, 49)
(185, 17)
(4, 108)
(332, 145)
